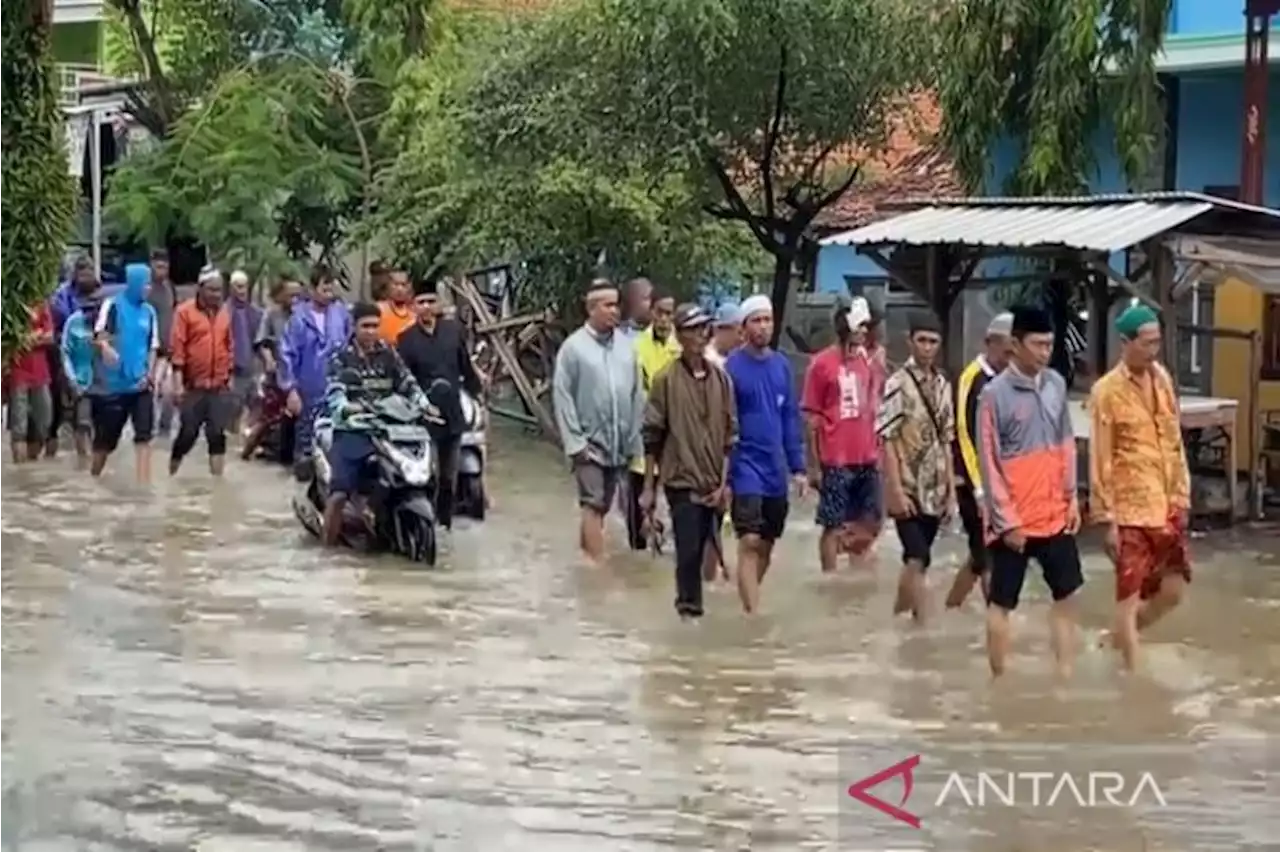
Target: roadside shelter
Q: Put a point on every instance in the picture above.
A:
(1152, 247)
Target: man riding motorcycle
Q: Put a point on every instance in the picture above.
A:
(359, 374)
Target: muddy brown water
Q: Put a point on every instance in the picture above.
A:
(183, 671)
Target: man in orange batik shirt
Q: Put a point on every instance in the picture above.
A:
(1139, 484)
(396, 314)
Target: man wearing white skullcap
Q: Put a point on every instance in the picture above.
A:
(245, 319)
(991, 361)
(770, 449)
(842, 391)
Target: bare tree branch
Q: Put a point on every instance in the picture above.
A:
(772, 131)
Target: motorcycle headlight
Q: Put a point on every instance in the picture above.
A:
(416, 471)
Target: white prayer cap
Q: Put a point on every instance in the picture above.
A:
(239, 277)
(759, 304)
(1001, 325)
(859, 313)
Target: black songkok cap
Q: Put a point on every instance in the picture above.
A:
(1031, 320)
(364, 310)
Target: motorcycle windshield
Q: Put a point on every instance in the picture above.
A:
(397, 408)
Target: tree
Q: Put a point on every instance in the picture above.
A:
(243, 170)
(767, 106)
(443, 204)
(1048, 76)
(39, 194)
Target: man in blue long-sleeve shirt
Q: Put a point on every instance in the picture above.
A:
(769, 447)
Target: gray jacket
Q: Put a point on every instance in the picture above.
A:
(599, 398)
(164, 298)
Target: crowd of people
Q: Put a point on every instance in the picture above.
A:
(697, 407)
(675, 402)
(142, 357)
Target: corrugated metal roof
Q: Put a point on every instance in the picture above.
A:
(1107, 227)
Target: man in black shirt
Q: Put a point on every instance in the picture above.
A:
(434, 350)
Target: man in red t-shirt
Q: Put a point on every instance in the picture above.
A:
(30, 401)
(842, 391)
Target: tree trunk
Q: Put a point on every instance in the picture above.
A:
(784, 258)
(39, 193)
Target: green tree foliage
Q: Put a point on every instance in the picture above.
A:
(244, 169)
(39, 194)
(1049, 75)
(445, 204)
(766, 107)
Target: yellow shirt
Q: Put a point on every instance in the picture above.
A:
(1137, 466)
(653, 357)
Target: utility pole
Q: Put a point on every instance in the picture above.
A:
(1257, 16)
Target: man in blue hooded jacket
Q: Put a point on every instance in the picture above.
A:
(126, 334)
(319, 326)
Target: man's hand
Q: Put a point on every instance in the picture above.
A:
(268, 361)
(1111, 543)
(800, 482)
(718, 499)
(1073, 517)
(1181, 518)
(899, 505)
(950, 508)
(1015, 540)
(293, 403)
(109, 355)
(176, 392)
(647, 499)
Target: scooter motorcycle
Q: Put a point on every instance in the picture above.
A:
(398, 513)
(470, 500)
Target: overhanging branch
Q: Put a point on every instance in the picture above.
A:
(772, 131)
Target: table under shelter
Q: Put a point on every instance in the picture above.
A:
(1150, 247)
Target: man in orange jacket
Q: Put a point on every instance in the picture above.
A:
(202, 361)
(396, 312)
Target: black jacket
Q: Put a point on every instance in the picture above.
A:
(441, 354)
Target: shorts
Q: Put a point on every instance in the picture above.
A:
(30, 414)
(111, 413)
(753, 514)
(1059, 560)
(847, 495)
(244, 389)
(351, 463)
(210, 410)
(917, 534)
(1147, 556)
(597, 485)
(77, 411)
(971, 517)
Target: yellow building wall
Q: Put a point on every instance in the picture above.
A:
(1239, 306)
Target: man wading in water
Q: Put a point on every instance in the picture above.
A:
(1139, 486)
(842, 391)
(981, 370)
(689, 428)
(203, 359)
(656, 347)
(599, 403)
(917, 425)
(1028, 456)
(769, 447)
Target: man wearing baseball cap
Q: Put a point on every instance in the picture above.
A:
(689, 428)
(726, 334)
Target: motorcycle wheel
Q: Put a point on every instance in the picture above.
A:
(420, 540)
(471, 496)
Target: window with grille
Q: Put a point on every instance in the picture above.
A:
(1271, 339)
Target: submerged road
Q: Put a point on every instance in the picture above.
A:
(182, 670)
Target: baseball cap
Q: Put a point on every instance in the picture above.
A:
(690, 315)
(728, 314)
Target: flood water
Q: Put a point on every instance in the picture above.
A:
(183, 671)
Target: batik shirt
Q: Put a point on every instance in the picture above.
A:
(1137, 465)
(918, 417)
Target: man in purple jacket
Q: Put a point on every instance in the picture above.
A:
(319, 326)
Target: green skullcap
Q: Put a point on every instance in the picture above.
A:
(1129, 323)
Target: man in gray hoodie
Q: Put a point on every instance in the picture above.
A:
(599, 407)
(164, 300)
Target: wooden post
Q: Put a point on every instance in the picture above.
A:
(509, 358)
(1254, 139)
(1162, 281)
(1099, 314)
